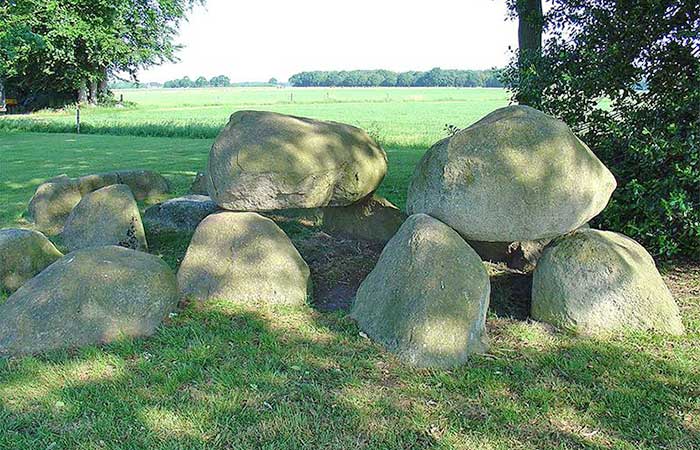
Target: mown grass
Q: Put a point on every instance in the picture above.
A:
(225, 376)
(396, 117)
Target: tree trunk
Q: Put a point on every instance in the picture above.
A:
(3, 107)
(93, 92)
(530, 24)
(82, 94)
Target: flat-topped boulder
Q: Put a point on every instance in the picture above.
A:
(243, 257)
(597, 282)
(373, 218)
(90, 296)
(107, 216)
(515, 175)
(178, 215)
(23, 254)
(427, 297)
(265, 161)
(55, 199)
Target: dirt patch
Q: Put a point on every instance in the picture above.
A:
(338, 266)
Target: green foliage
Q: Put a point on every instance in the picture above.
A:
(55, 48)
(608, 49)
(364, 78)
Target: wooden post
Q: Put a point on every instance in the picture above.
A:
(77, 118)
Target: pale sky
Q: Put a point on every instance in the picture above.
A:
(259, 39)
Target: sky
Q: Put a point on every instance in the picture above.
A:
(257, 40)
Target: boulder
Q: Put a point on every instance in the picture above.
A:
(515, 175)
(178, 215)
(52, 202)
(89, 296)
(596, 282)
(427, 297)
(199, 184)
(55, 199)
(107, 216)
(264, 161)
(307, 217)
(373, 218)
(243, 257)
(23, 254)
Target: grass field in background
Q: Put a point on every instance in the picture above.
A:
(396, 117)
(226, 376)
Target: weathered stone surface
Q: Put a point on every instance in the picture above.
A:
(595, 282)
(23, 254)
(427, 297)
(89, 296)
(373, 218)
(178, 215)
(265, 161)
(308, 217)
(243, 257)
(515, 175)
(55, 199)
(52, 203)
(107, 216)
(199, 184)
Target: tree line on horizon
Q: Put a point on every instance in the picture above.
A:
(436, 77)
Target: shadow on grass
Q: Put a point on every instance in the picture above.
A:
(221, 375)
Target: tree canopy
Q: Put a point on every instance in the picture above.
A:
(59, 48)
(367, 78)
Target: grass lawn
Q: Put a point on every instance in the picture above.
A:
(396, 117)
(225, 376)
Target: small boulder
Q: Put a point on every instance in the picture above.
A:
(596, 282)
(199, 184)
(243, 257)
(23, 254)
(427, 297)
(89, 296)
(107, 216)
(55, 199)
(264, 161)
(515, 175)
(178, 215)
(52, 202)
(373, 218)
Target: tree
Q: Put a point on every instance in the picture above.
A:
(273, 80)
(650, 139)
(63, 48)
(220, 81)
(201, 82)
(530, 26)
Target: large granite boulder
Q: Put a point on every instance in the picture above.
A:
(23, 254)
(89, 296)
(178, 215)
(515, 175)
(243, 257)
(373, 218)
(107, 216)
(265, 161)
(52, 202)
(55, 199)
(427, 297)
(595, 282)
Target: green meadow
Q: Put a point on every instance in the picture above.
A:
(227, 376)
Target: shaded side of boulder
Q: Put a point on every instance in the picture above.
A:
(107, 216)
(52, 202)
(263, 161)
(199, 184)
(596, 282)
(308, 217)
(144, 184)
(373, 218)
(427, 297)
(23, 254)
(89, 296)
(243, 257)
(178, 215)
(515, 175)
